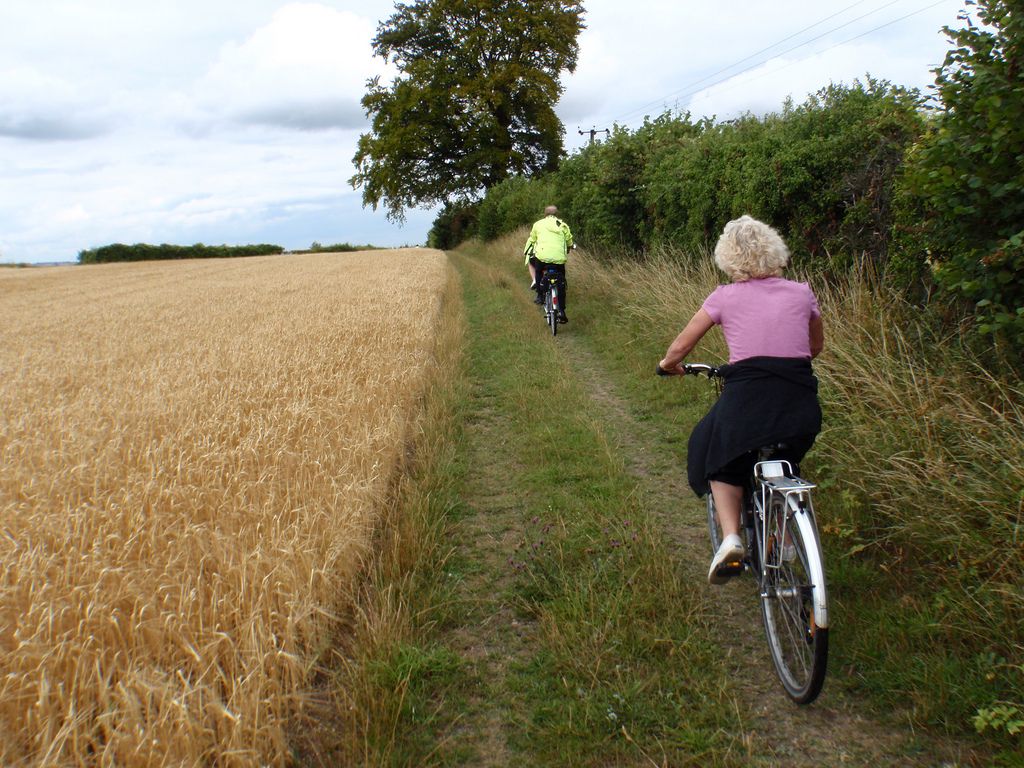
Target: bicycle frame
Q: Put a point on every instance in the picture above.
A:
(551, 303)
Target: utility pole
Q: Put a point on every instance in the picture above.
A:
(593, 132)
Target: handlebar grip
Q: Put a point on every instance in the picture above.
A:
(662, 372)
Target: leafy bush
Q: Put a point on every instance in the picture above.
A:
(346, 247)
(453, 224)
(145, 252)
(515, 202)
(963, 204)
(601, 187)
(822, 172)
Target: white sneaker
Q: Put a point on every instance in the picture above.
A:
(728, 560)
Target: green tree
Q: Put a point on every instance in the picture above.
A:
(965, 181)
(474, 100)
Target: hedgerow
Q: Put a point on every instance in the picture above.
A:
(928, 194)
(961, 218)
(147, 252)
(822, 172)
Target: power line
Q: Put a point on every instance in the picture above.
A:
(664, 194)
(692, 87)
(816, 53)
(757, 53)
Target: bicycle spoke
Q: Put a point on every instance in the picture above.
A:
(797, 634)
(798, 649)
(792, 621)
(792, 632)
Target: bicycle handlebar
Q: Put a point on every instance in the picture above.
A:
(695, 369)
(692, 369)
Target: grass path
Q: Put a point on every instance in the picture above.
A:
(491, 635)
(575, 591)
(559, 593)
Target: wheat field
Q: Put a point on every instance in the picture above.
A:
(192, 458)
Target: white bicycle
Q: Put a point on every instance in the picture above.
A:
(783, 552)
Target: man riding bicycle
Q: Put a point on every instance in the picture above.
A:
(546, 251)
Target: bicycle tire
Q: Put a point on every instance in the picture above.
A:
(792, 592)
(552, 304)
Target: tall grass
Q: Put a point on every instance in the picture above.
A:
(391, 670)
(194, 458)
(921, 468)
(926, 448)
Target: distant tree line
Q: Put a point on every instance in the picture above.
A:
(346, 247)
(929, 193)
(146, 252)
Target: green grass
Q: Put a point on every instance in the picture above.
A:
(621, 668)
(615, 666)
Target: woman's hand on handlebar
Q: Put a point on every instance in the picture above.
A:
(671, 370)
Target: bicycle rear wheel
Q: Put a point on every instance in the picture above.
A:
(552, 309)
(793, 602)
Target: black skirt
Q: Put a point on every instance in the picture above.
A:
(765, 400)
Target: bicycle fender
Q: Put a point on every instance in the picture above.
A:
(803, 516)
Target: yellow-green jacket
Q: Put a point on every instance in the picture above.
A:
(550, 240)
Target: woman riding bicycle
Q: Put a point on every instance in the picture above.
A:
(773, 329)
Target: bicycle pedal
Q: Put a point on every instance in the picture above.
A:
(730, 568)
(725, 571)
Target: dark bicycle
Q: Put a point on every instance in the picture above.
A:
(783, 552)
(551, 281)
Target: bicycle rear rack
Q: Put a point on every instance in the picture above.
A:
(777, 480)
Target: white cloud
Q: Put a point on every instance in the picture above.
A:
(254, 84)
(306, 69)
(47, 107)
(274, 187)
(670, 55)
(765, 88)
(76, 214)
(587, 90)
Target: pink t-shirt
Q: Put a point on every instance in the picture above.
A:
(769, 317)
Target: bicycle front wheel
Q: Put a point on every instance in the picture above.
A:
(794, 602)
(714, 529)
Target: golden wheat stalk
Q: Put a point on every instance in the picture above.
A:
(193, 458)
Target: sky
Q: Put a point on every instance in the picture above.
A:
(186, 121)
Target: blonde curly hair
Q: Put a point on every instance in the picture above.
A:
(749, 249)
